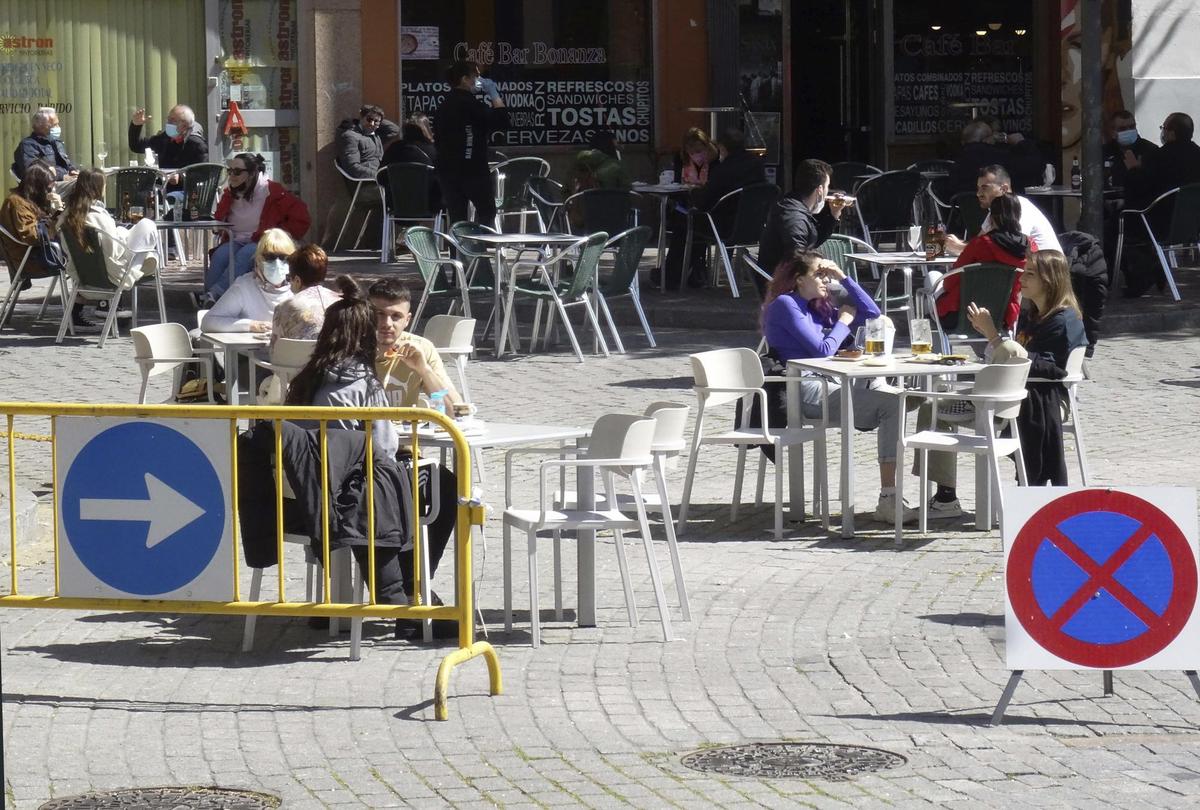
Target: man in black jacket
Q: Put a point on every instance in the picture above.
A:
(737, 169)
(801, 220)
(361, 142)
(180, 143)
(463, 127)
(1125, 139)
(44, 144)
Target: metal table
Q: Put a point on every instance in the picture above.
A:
(664, 192)
(886, 262)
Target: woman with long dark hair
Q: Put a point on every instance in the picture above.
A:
(802, 320)
(85, 209)
(251, 204)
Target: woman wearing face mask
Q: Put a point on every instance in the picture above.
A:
(301, 316)
(249, 305)
(252, 205)
(697, 155)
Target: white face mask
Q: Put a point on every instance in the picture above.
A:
(275, 271)
(820, 206)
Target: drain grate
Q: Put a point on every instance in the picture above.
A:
(836, 763)
(167, 798)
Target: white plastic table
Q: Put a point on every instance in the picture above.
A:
(233, 344)
(845, 373)
(499, 241)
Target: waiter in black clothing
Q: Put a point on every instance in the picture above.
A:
(463, 126)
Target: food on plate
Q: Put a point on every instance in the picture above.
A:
(850, 354)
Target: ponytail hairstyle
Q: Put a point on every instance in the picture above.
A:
(347, 338)
(255, 164)
(89, 187)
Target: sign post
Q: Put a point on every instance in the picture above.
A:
(1100, 579)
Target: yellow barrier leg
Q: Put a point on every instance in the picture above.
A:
(460, 656)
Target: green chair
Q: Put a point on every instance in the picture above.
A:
(199, 185)
(544, 288)
(92, 282)
(838, 245)
(970, 215)
(423, 244)
(1182, 234)
(987, 285)
(547, 197)
(628, 248)
(135, 186)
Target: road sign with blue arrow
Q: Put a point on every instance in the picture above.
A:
(144, 508)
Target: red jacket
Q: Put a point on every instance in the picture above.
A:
(281, 210)
(983, 249)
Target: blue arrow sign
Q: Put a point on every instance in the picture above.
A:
(143, 509)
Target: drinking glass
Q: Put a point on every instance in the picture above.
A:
(876, 336)
(136, 212)
(914, 238)
(860, 338)
(101, 152)
(920, 336)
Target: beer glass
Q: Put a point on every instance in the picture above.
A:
(920, 335)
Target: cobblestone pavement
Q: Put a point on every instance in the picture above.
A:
(809, 639)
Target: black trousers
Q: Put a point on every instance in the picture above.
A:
(677, 223)
(460, 190)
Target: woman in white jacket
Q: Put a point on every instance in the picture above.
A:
(249, 304)
(85, 209)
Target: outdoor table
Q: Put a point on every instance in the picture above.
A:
(664, 192)
(503, 435)
(233, 344)
(499, 241)
(844, 373)
(1056, 195)
(886, 262)
(200, 225)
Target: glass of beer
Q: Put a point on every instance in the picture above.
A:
(920, 335)
(876, 336)
(136, 212)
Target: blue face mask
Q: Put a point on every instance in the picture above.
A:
(171, 130)
(56, 132)
(1127, 137)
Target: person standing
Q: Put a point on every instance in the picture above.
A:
(462, 128)
(44, 144)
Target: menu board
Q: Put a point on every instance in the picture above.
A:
(941, 81)
(563, 78)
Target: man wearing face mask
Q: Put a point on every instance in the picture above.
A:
(44, 144)
(180, 143)
(1125, 139)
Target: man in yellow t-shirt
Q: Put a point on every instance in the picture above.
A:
(409, 365)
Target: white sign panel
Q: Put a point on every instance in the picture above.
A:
(144, 508)
(1101, 578)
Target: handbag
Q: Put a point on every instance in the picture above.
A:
(52, 253)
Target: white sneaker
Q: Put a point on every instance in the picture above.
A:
(939, 510)
(885, 510)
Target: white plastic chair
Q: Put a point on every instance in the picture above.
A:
(724, 376)
(619, 448)
(996, 395)
(453, 336)
(1071, 419)
(288, 356)
(164, 347)
(14, 288)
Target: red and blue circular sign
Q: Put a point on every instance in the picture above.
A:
(1102, 579)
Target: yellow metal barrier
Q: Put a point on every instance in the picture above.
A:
(469, 513)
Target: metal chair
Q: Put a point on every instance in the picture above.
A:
(357, 184)
(838, 245)
(199, 185)
(996, 394)
(405, 188)
(848, 174)
(1183, 233)
(547, 197)
(887, 203)
(597, 209)
(423, 244)
(512, 194)
(14, 288)
(135, 186)
(623, 280)
(164, 347)
(988, 285)
(965, 205)
(733, 225)
(932, 166)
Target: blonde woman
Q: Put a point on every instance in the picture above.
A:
(1049, 327)
(697, 154)
(249, 304)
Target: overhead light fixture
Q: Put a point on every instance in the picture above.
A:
(935, 28)
(994, 26)
(1019, 32)
(981, 33)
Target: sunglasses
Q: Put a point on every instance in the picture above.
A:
(239, 172)
(270, 257)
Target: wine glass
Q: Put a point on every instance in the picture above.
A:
(101, 152)
(914, 238)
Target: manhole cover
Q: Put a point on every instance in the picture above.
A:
(836, 763)
(166, 798)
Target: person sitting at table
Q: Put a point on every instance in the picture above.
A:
(252, 204)
(409, 365)
(1048, 329)
(993, 181)
(44, 143)
(736, 169)
(694, 158)
(416, 143)
(249, 305)
(979, 149)
(1003, 243)
(180, 143)
(801, 220)
(301, 316)
(802, 320)
(597, 169)
(85, 209)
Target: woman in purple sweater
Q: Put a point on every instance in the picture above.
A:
(802, 320)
